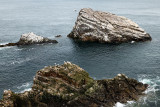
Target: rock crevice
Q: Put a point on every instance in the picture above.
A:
(69, 85)
(106, 27)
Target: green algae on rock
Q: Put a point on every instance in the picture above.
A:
(70, 85)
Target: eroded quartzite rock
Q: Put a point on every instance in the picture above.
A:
(104, 27)
(30, 38)
(69, 85)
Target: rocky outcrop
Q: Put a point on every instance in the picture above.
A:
(104, 27)
(69, 85)
(9, 44)
(30, 38)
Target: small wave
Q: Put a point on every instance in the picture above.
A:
(28, 89)
(118, 104)
(4, 43)
(129, 103)
(30, 49)
(152, 93)
(40, 44)
(20, 61)
(3, 48)
(154, 83)
(7, 47)
(19, 49)
(24, 87)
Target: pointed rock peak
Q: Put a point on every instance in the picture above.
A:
(105, 27)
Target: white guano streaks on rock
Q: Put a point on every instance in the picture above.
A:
(105, 27)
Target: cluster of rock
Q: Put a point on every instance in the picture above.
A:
(95, 26)
(30, 38)
(69, 85)
(104, 27)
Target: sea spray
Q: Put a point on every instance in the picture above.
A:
(152, 94)
(24, 87)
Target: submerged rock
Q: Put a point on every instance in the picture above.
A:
(30, 38)
(58, 36)
(104, 27)
(69, 85)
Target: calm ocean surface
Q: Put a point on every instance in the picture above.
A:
(49, 18)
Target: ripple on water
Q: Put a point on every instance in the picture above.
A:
(3, 48)
(24, 87)
(21, 61)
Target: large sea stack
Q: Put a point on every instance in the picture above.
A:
(30, 38)
(68, 85)
(105, 27)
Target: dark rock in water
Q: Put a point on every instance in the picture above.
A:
(58, 36)
(69, 85)
(104, 27)
(30, 38)
(9, 44)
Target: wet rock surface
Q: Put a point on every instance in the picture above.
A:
(9, 44)
(69, 85)
(30, 38)
(105, 27)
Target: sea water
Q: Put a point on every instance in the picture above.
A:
(48, 18)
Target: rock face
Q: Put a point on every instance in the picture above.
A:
(70, 86)
(30, 38)
(104, 27)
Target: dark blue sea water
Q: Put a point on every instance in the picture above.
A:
(49, 18)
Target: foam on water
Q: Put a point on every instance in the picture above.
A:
(129, 103)
(24, 87)
(3, 48)
(18, 49)
(118, 104)
(4, 43)
(154, 83)
(28, 89)
(20, 61)
(151, 97)
(153, 91)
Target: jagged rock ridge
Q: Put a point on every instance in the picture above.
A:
(105, 27)
(69, 85)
